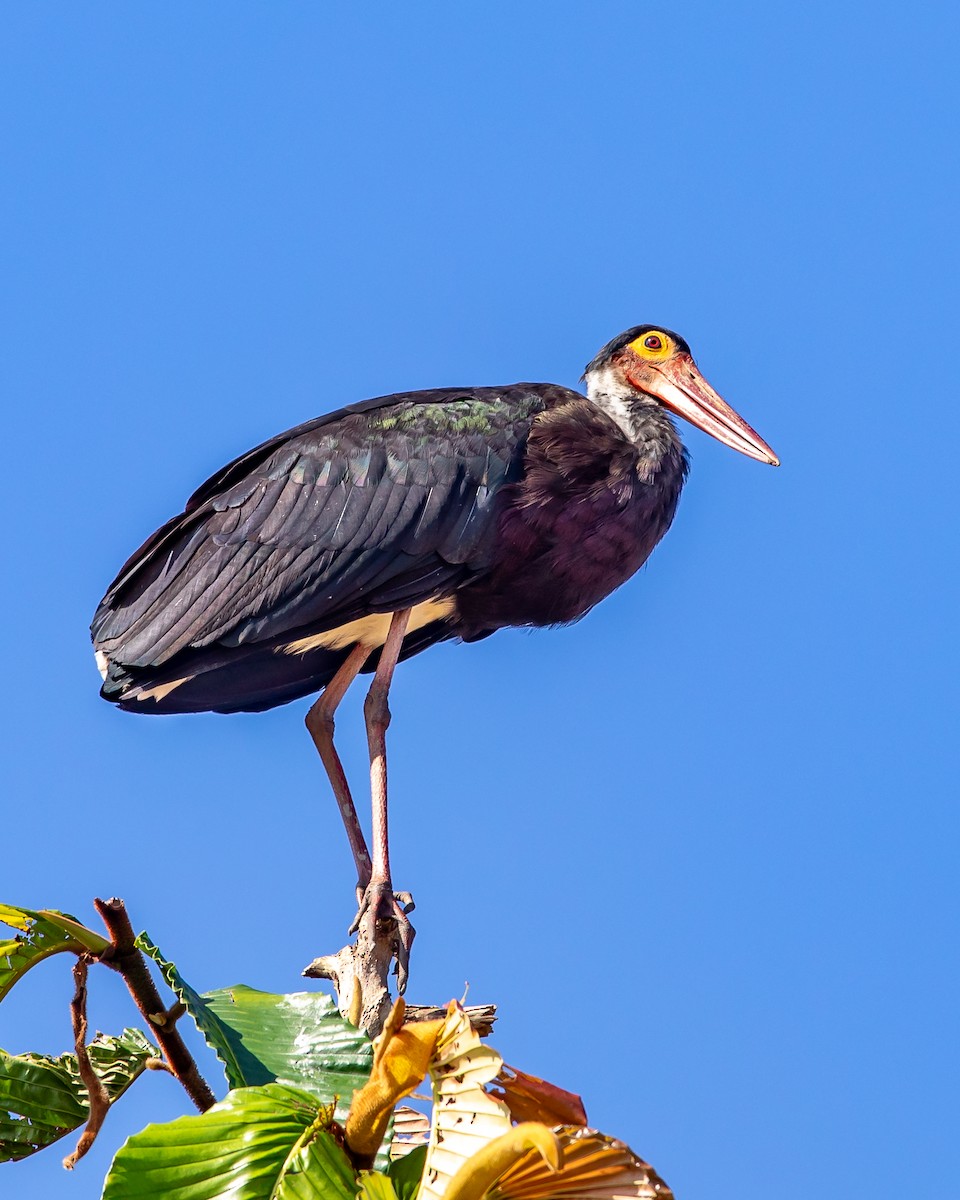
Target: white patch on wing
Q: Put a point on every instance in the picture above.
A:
(158, 692)
(103, 663)
(370, 631)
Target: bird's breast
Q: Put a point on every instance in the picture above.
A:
(586, 515)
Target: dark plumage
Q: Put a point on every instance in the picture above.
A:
(527, 504)
(373, 508)
(522, 505)
(450, 513)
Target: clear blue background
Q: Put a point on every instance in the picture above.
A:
(700, 848)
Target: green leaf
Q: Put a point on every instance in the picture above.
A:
(406, 1172)
(40, 934)
(42, 1099)
(298, 1039)
(260, 1143)
(260, 1037)
(217, 1035)
(374, 1186)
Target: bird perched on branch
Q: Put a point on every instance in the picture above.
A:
(367, 535)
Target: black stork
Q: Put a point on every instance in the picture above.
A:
(362, 537)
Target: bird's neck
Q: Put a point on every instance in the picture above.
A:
(644, 422)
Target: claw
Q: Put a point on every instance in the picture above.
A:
(405, 935)
(383, 914)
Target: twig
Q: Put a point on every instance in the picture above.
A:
(99, 1099)
(124, 957)
(480, 1016)
(167, 1020)
(359, 975)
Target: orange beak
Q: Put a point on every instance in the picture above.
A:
(680, 387)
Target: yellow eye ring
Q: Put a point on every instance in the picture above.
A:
(654, 345)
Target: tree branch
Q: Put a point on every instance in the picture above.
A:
(124, 958)
(96, 1092)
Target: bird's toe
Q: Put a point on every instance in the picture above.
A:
(382, 915)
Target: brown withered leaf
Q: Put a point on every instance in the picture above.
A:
(533, 1099)
(411, 1129)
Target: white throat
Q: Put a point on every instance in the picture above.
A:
(605, 390)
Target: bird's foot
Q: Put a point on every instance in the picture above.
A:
(382, 918)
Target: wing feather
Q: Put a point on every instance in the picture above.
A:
(379, 506)
(180, 623)
(164, 573)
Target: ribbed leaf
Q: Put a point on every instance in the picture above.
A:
(467, 1119)
(260, 1143)
(42, 1099)
(595, 1167)
(260, 1037)
(217, 1035)
(465, 1116)
(40, 934)
(411, 1130)
(299, 1039)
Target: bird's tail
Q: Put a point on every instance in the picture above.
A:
(246, 678)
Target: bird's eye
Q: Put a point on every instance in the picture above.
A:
(654, 345)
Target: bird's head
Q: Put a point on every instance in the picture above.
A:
(650, 365)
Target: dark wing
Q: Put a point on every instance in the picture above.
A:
(370, 509)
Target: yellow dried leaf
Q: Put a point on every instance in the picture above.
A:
(401, 1058)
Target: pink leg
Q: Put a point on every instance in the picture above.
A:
(320, 723)
(379, 899)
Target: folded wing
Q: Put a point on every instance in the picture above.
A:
(381, 506)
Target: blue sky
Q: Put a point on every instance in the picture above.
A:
(701, 847)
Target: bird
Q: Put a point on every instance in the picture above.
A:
(362, 537)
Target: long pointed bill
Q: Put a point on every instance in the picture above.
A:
(682, 389)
